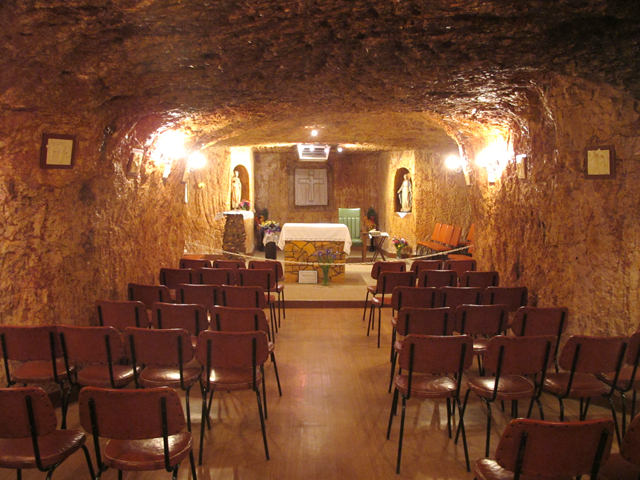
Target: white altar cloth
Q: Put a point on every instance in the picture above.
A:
(331, 232)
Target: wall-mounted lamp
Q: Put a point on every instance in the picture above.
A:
(494, 159)
(453, 162)
(195, 161)
(169, 147)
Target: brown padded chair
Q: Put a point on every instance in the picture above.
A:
(172, 277)
(188, 316)
(276, 267)
(419, 321)
(231, 362)
(481, 322)
(121, 314)
(96, 353)
(460, 266)
(194, 263)
(581, 360)
(441, 361)
(230, 319)
(234, 265)
(28, 434)
(511, 297)
(165, 355)
(383, 295)
(415, 297)
(541, 321)
(376, 270)
(418, 266)
(267, 279)
(37, 348)
(538, 449)
(215, 276)
(479, 279)
(625, 465)
(148, 294)
(516, 368)
(454, 296)
(437, 278)
(627, 379)
(197, 294)
(144, 428)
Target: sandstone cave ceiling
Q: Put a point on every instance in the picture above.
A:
(385, 72)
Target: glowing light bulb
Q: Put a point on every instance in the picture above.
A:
(314, 133)
(453, 162)
(196, 161)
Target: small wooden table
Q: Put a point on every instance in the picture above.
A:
(379, 239)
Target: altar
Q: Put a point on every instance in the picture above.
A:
(300, 242)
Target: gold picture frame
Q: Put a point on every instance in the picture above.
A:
(600, 162)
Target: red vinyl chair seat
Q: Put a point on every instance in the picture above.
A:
(428, 386)
(139, 455)
(98, 376)
(510, 387)
(584, 385)
(38, 371)
(54, 448)
(152, 377)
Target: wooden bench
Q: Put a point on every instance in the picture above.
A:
(444, 238)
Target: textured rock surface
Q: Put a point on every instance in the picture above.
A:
(401, 78)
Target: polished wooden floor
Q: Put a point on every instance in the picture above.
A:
(331, 421)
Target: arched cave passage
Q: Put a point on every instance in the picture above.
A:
(73, 235)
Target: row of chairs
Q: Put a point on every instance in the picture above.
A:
(431, 297)
(226, 272)
(517, 368)
(229, 357)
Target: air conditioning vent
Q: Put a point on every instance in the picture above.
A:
(313, 153)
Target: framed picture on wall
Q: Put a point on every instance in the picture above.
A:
(57, 150)
(600, 162)
(135, 162)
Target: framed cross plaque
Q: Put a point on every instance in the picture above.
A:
(57, 151)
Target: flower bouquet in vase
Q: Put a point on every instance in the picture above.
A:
(325, 259)
(400, 244)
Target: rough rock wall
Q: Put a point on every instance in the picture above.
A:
(352, 183)
(572, 241)
(69, 237)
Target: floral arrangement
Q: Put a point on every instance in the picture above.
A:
(400, 244)
(269, 226)
(325, 259)
(371, 222)
(245, 205)
(327, 256)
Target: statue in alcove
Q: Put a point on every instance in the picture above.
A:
(405, 194)
(236, 191)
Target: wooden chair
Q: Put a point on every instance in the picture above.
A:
(437, 278)
(376, 270)
(581, 360)
(121, 314)
(148, 294)
(276, 267)
(29, 437)
(419, 321)
(194, 263)
(538, 449)
(516, 368)
(480, 322)
(164, 356)
(37, 349)
(144, 428)
(479, 279)
(441, 361)
(230, 319)
(215, 276)
(541, 321)
(231, 361)
(386, 283)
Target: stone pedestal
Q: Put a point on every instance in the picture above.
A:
(303, 251)
(238, 232)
